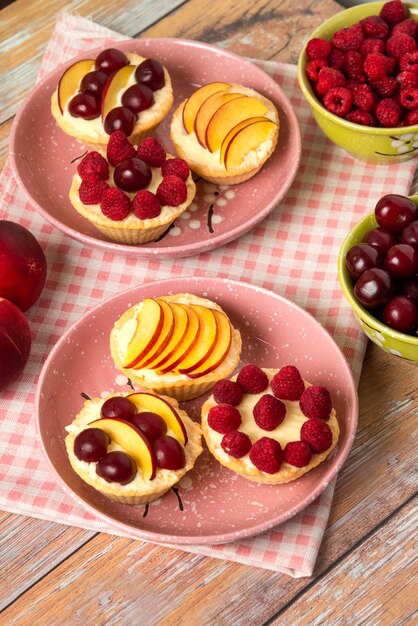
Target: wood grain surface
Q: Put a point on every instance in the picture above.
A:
(365, 570)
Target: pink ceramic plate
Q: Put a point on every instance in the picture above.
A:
(219, 506)
(41, 155)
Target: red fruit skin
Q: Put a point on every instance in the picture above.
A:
(267, 455)
(227, 392)
(15, 342)
(287, 384)
(315, 402)
(317, 434)
(297, 453)
(236, 443)
(23, 266)
(269, 412)
(252, 379)
(400, 313)
(224, 418)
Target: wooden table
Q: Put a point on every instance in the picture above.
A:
(54, 574)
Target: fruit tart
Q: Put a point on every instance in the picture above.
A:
(114, 91)
(132, 447)
(131, 194)
(226, 131)
(269, 425)
(177, 345)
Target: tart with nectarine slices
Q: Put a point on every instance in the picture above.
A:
(114, 91)
(226, 131)
(269, 425)
(177, 345)
(132, 447)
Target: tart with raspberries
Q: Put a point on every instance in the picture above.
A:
(114, 91)
(132, 194)
(268, 425)
(132, 447)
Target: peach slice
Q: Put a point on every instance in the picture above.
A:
(229, 115)
(198, 97)
(114, 85)
(180, 322)
(206, 342)
(150, 321)
(221, 349)
(208, 109)
(70, 81)
(188, 343)
(247, 139)
(150, 402)
(165, 335)
(233, 132)
(132, 441)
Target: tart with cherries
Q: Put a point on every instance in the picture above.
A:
(269, 425)
(179, 345)
(114, 91)
(226, 131)
(131, 193)
(132, 447)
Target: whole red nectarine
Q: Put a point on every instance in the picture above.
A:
(15, 342)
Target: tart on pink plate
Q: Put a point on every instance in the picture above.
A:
(131, 193)
(116, 90)
(269, 425)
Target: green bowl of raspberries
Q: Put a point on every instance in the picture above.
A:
(359, 74)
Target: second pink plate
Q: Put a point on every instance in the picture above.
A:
(41, 155)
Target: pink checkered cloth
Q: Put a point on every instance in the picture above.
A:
(293, 252)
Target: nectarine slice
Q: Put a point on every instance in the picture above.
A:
(228, 116)
(198, 97)
(208, 109)
(180, 322)
(188, 343)
(114, 85)
(220, 350)
(234, 131)
(148, 328)
(162, 340)
(155, 404)
(247, 139)
(70, 81)
(205, 343)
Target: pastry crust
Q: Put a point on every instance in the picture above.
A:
(139, 491)
(243, 466)
(180, 386)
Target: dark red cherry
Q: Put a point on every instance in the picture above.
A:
(120, 118)
(395, 212)
(93, 83)
(151, 73)
(360, 258)
(401, 261)
(373, 288)
(409, 235)
(85, 106)
(132, 175)
(410, 288)
(111, 60)
(169, 453)
(138, 98)
(151, 424)
(119, 407)
(400, 313)
(116, 467)
(91, 444)
(381, 239)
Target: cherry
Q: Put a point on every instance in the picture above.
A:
(409, 234)
(360, 258)
(120, 118)
(119, 407)
(138, 98)
(401, 261)
(373, 288)
(410, 288)
(151, 424)
(132, 175)
(381, 239)
(116, 467)
(151, 73)
(91, 444)
(93, 83)
(400, 313)
(169, 453)
(395, 212)
(111, 60)
(85, 106)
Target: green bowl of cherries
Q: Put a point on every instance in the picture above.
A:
(378, 272)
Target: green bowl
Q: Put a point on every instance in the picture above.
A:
(374, 145)
(389, 340)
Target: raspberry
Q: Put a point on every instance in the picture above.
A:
(93, 164)
(252, 379)
(224, 418)
(91, 191)
(314, 67)
(175, 167)
(338, 100)
(317, 434)
(236, 443)
(374, 26)
(393, 12)
(353, 65)
(409, 27)
(172, 191)
(318, 49)
(372, 45)
(348, 38)
(287, 384)
(267, 455)
(316, 402)
(115, 204)
(409, 61)
(386, 86)
(297, 453)
(336, 59)
(269, 412)
(119, 148)
(409, 98)
(227, 392)
(412, 118)
(363, 97)
(328, 79)
(152, 152)
(398, 45)
(145, 205)
(407, 79)
(377, 65)
(388, 112)
(361, 117)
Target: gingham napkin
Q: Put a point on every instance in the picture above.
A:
(293, 252)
